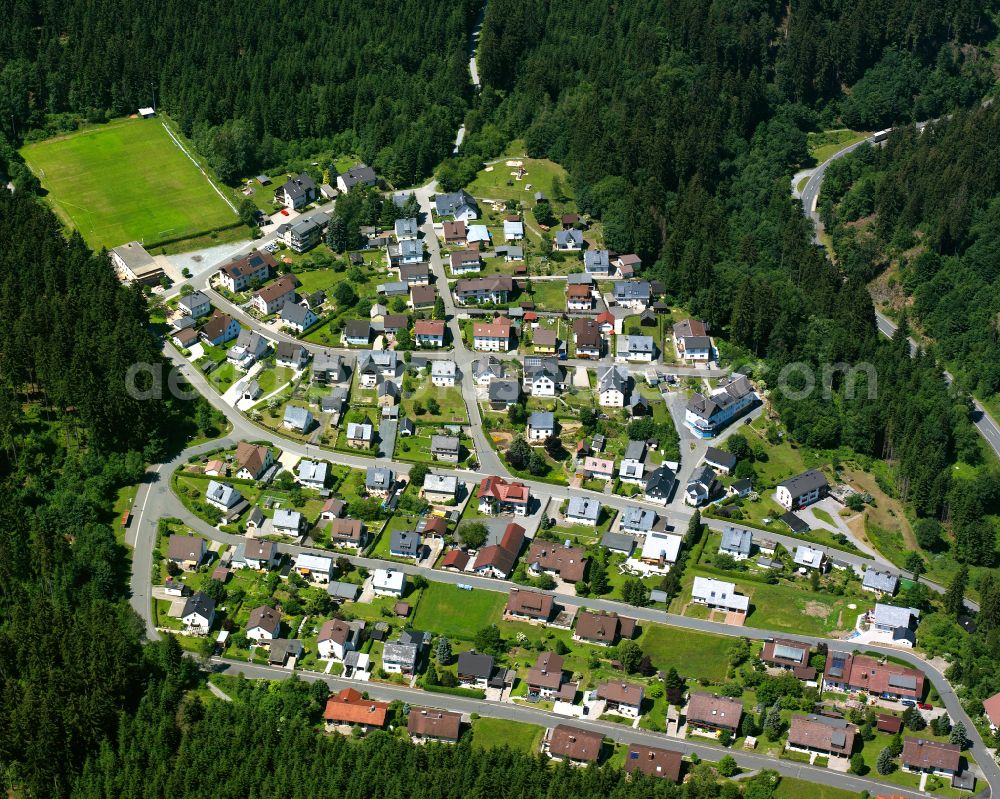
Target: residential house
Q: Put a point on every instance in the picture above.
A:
(406, 229)
(579, 298)
(327, 367)
(701, 486)
(252, 460)
(718, 595)
(599, 468)
(445, 448)
(714, 713)
(296, 193)
(317, 569)
(485, 370)
(824, 735)
(612, 386)
(660, 485)
(492, 336)
(932, 757)
(497, 495)
(260, 554)
(603, 629)
(459, 204)
(597, 263)
(440, 489)
(357, 333)
(407, 257)
(566, 562)
(379, 481)
(464, 262)
(135, 265)
(640, 349)
(633, 294)
(510, 253)
(568, 240)
(545, 678)
(475, 669)
(249, 348)
(264, 625)
(860, 673)
(403, 655)
(387, 394)
(288, 522)
(792, 656)
(337, 638)
(297, 419)
(312, 474)
(573, 744)
(633, 465)
(297, 317)
(627, 265)
(444, 373)
(333, 508)
(375, 365)
(195, 304)
(636, 521)
(622, 698)
(587, 336)
(497, 560)
(654, 762)
(303, 234)
(691, 340)
(185, 337)
(273, 297)
(426, 724)
(606, 321)
(494, 289)
(740, 488)
(220, 329)
(454, 232)
(347, 533)
(350, 709)
(513, 230)
(198, 613)
(706, 416)
(360, 175)
(736, 542)
(802, 490)
(583, 510)
(880, 583)
(991, 708)
(388, 582)
(478, 236)
(222, 496)
(187, 551)
(660, 550)
(720, 460)
(422, 297)
(394, 288)
(900, 623)
(809, 558)
(544, 341)
(542, 376)
(291, 355)
(240, 273)
(529, 605)
(360, 435)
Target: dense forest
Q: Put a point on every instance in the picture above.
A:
(265, 744)
(679, 123)
(254, 84)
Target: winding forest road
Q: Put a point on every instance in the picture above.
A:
(980, 417)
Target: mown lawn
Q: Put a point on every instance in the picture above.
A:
(451, 404)
(493, 733)
(693, 654)
(126, 181)
(448, 610)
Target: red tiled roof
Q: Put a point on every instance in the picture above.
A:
(498, 328)
(569, 562)
(991, 707)
(429, 327)
(529, 603)
(576, 744)
(923, 754)
(455, 559)
(654, 761)
(349, 707)
(500, 489)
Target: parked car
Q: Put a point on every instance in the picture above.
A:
(925, 706)
(907, 703)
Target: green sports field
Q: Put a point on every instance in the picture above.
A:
(126, 181)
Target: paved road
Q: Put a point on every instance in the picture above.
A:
(543, 718)
(985, 424)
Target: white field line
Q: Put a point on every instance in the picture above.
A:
(210, 182)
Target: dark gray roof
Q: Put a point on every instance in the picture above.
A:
(804, 483)
(620, 542)
(199, 603)
(542, 420)
(719, 457)
(880, 581)
(474, 664)
(660, 482)
(295, 313)
(404, 541)
(737, 541)
(504, 391)
(361, 173)
(358, 328)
